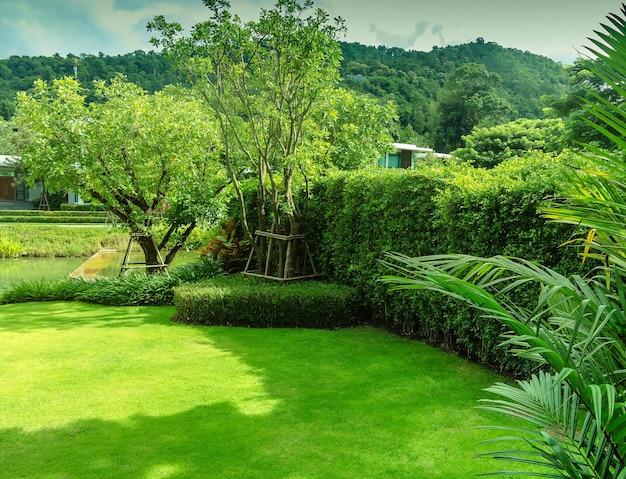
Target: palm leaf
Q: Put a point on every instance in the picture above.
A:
(595, 197)
(576, 414)
(565, 439)
(574, 327)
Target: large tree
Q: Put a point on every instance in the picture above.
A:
(146, 158)
(271, 83)
(468, 98)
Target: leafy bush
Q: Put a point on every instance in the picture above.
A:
(131, 290)
(201, 268)
(243, 301)
(10, 248)
(437, 209)
(44, 290)
(228, 246)
(53, 201)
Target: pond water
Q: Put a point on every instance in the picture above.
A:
(28, 268)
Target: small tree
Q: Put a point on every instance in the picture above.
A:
(143, 157)
(270, 83)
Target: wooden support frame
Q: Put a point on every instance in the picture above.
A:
(127, 265)
(269, 268)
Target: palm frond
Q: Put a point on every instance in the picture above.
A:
(576, 415)
(595, 197)
(574, 327)
(565, 438)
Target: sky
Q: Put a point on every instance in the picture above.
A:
(557, 29)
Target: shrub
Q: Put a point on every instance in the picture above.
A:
(131, 290)
(9, 248)
(437, 209)
(244, 301)
(228, 246)
(44, 290)
(53, 200)
(201, 268)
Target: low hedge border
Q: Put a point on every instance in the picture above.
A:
(76, 207)
(48, 218)
(244, 301)
(132, 290)
(77, 213)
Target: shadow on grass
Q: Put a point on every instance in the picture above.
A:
(61, 315)
(207, 441)
(349, 403)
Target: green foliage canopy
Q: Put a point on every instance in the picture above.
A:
(467, 99)
(142, 156)
(488, 146)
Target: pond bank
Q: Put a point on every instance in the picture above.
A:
(92, 268)
(28, 268)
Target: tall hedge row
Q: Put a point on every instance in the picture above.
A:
(355, 217)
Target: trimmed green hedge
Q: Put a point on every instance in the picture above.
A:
(39, 216)
(246, 301)
(355, 217)
(75, 207)
(52, 213)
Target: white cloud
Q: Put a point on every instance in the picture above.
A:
(553, 28)
(406, 40)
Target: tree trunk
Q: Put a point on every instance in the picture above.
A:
(151, 254)
(293, 226)
(179, 244)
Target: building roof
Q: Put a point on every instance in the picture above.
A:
(8, 160)
(409, 147)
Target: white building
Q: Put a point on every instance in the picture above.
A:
(406, 154)
(10, 190)
(17, 194)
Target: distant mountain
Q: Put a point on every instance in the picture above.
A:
(411, 78)
(17, 73)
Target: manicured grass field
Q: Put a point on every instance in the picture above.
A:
(103, 392)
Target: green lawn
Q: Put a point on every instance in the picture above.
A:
(102, 392)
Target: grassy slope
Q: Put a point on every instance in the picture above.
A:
(104, 392)
(59, 240)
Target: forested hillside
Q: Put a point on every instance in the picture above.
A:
(413, 79)
(17, 73)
